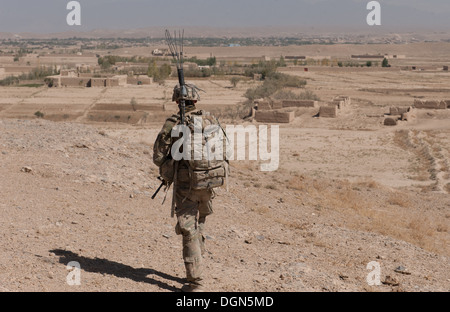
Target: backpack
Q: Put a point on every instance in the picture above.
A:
(207, 166)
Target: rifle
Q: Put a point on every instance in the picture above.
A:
(160, 187)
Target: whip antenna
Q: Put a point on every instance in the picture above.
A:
(176, 46)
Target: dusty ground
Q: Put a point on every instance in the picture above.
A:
(349, 191)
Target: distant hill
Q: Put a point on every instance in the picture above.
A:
(236, 32)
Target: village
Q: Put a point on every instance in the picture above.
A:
(82, 63)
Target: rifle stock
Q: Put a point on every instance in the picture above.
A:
(159, 189)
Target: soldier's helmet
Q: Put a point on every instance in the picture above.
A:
(188, 93)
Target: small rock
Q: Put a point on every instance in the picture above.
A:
(391, 281)
(166, 236)
(402, 270)
(26, 169)
(131, 196)
(343, 277)
(390, 121)
(238, 233)
(79, 145)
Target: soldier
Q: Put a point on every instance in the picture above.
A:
(191, 204)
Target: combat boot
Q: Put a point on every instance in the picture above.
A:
(193, 276)
(191, 287)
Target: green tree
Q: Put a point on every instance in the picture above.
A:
(152, 69)
(273, 83)
(281, 62)
(159, 74)
(385, 63)
(39, 114)
(234, 81)
(211, 61)
(165, 71)
(104, 63)
(133, 103)
(265, 68)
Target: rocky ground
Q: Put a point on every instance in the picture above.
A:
(74, 192)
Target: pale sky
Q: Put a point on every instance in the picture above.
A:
(49, 16)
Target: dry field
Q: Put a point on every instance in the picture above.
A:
(77, 186)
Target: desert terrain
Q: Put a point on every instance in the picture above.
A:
(76, 185)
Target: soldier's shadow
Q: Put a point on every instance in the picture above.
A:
(104, 266)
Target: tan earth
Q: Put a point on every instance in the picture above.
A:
(77, 186)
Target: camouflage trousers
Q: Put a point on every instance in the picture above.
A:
(192, 208)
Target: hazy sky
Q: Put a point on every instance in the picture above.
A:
(47, 16)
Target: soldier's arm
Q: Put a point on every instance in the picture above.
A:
(163, 143)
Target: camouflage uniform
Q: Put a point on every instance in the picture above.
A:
(192, 206)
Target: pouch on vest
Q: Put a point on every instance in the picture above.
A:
(167, 170)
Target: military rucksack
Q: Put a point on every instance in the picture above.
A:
(207, 161)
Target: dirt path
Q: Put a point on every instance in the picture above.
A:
(91, 106)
